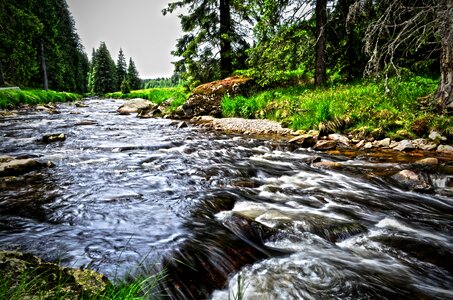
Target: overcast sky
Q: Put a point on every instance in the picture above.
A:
(136, 26)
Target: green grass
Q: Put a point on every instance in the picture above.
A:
(48, 284)
(365, 103)
(13, 98)
(156, 95)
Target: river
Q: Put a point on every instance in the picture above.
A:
(131, 196)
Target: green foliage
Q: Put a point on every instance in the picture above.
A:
(125, 88)
(11, 98)
(121, 70)
(103, 71)
(303, 107)
(132, 75)
(25, 25)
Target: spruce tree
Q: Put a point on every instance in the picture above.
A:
(104, 71)
(121, 69)
(132, 75)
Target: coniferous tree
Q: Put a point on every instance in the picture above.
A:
(104, 71)
(215, 39)
(132, 76)
(121, 69)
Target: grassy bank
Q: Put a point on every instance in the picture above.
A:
(12, 98)
(156, 95)
(365, 106)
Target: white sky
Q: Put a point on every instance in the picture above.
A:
(136, 26)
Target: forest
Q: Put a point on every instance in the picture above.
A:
(278, 43)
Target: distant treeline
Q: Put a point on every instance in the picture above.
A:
(39, 46)
(161, 82)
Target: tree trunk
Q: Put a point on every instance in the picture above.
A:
(225, 38)
(320, 61)
(44, 68)
(444, 93)
(2, 78)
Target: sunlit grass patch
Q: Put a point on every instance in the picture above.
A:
(12, 98)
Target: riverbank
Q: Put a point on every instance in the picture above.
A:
(12, 98)
(317, 140)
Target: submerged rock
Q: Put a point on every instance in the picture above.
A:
(325, 145)
(15, 167)
(412, 181)
(133, 106)
(30, 278)
(53, 137)
(327, 165)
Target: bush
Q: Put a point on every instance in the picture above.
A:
(125, 87)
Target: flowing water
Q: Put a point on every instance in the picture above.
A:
(216, 211)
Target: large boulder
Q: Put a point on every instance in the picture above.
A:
(27, 277)
(134, 106)
(206, 99)
(15, 167)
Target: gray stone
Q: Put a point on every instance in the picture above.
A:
(368, 145)
(445, 149)
(385, 143)
(339, 138)
(436, 136)
(405, 145)
(133, 106)
(412, 181)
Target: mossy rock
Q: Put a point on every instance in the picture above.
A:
(28, 277)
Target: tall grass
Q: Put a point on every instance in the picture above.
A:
(365, 103)
(39, 283)
(12, 98)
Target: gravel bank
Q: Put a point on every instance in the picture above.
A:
(252, 126)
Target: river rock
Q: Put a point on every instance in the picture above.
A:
(327, 165)
(445, 149)
(411, 180)
(385, 143)
(151, 111)
(181, 125)
(339, 138)
(133, 106)
(430, 161)
(15, 167)
(436, 136)
(423, 144)
(80, 104)
(325, 145)
(305, 140)
(405, 145)
(206, 98)
(43, 280)
(5, 158)
(368, 145)
(53, 137)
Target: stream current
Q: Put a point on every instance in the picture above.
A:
(130, 195)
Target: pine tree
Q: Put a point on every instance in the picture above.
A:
(121, 69)
(132, 75)
(104, 71)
